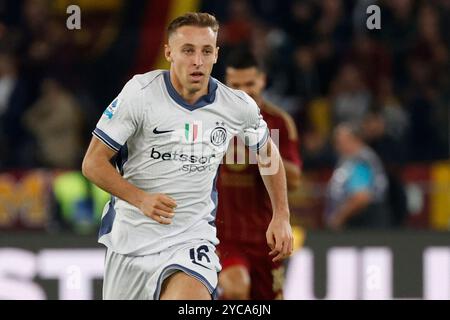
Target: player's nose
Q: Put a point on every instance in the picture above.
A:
(198, 59)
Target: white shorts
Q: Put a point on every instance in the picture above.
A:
(140, 277)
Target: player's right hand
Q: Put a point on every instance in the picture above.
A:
(159, 207)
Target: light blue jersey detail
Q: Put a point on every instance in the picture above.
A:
(361, 178)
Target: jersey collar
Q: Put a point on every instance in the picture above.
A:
(201, 102)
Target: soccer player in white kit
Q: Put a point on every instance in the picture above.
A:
(166, 133)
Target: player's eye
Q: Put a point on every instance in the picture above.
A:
(207, 51)
(188, 50)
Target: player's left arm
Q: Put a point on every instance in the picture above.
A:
(279, 233)
(256, 136)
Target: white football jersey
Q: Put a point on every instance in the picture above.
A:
(166, 145)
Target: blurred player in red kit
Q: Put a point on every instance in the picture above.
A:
(244, 210)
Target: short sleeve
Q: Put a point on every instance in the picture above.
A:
(120, 119)
(255, 133)
(361, 178)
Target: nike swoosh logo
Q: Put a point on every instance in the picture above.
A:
(156, 131)
(199, 264)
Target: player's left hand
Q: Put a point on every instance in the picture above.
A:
(279, 238)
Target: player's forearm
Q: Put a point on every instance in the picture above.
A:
(274, 177)
(106, 177)
(353, 206)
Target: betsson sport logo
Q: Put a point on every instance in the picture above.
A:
(199, 152)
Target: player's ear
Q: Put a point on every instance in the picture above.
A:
(263, 78)
(167, 53)
(217, 54)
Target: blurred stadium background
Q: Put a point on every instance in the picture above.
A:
(320, 59)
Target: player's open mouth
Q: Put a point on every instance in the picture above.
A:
(196, 76)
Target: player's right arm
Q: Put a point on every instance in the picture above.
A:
(121, 119)
(97, 168)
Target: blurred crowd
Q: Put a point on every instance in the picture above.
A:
(50, 83)
(324, 67)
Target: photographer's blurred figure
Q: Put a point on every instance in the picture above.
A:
(357, 189)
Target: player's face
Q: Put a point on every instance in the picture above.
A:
(250, 80)
(192, 52)
(344, 142)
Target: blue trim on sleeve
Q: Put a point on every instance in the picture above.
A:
(260, 144)
(107, 139)
(361, 178)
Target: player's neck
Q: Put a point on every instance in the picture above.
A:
(187, 95)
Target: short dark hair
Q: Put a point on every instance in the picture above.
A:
(243, 58)
(197, 19)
